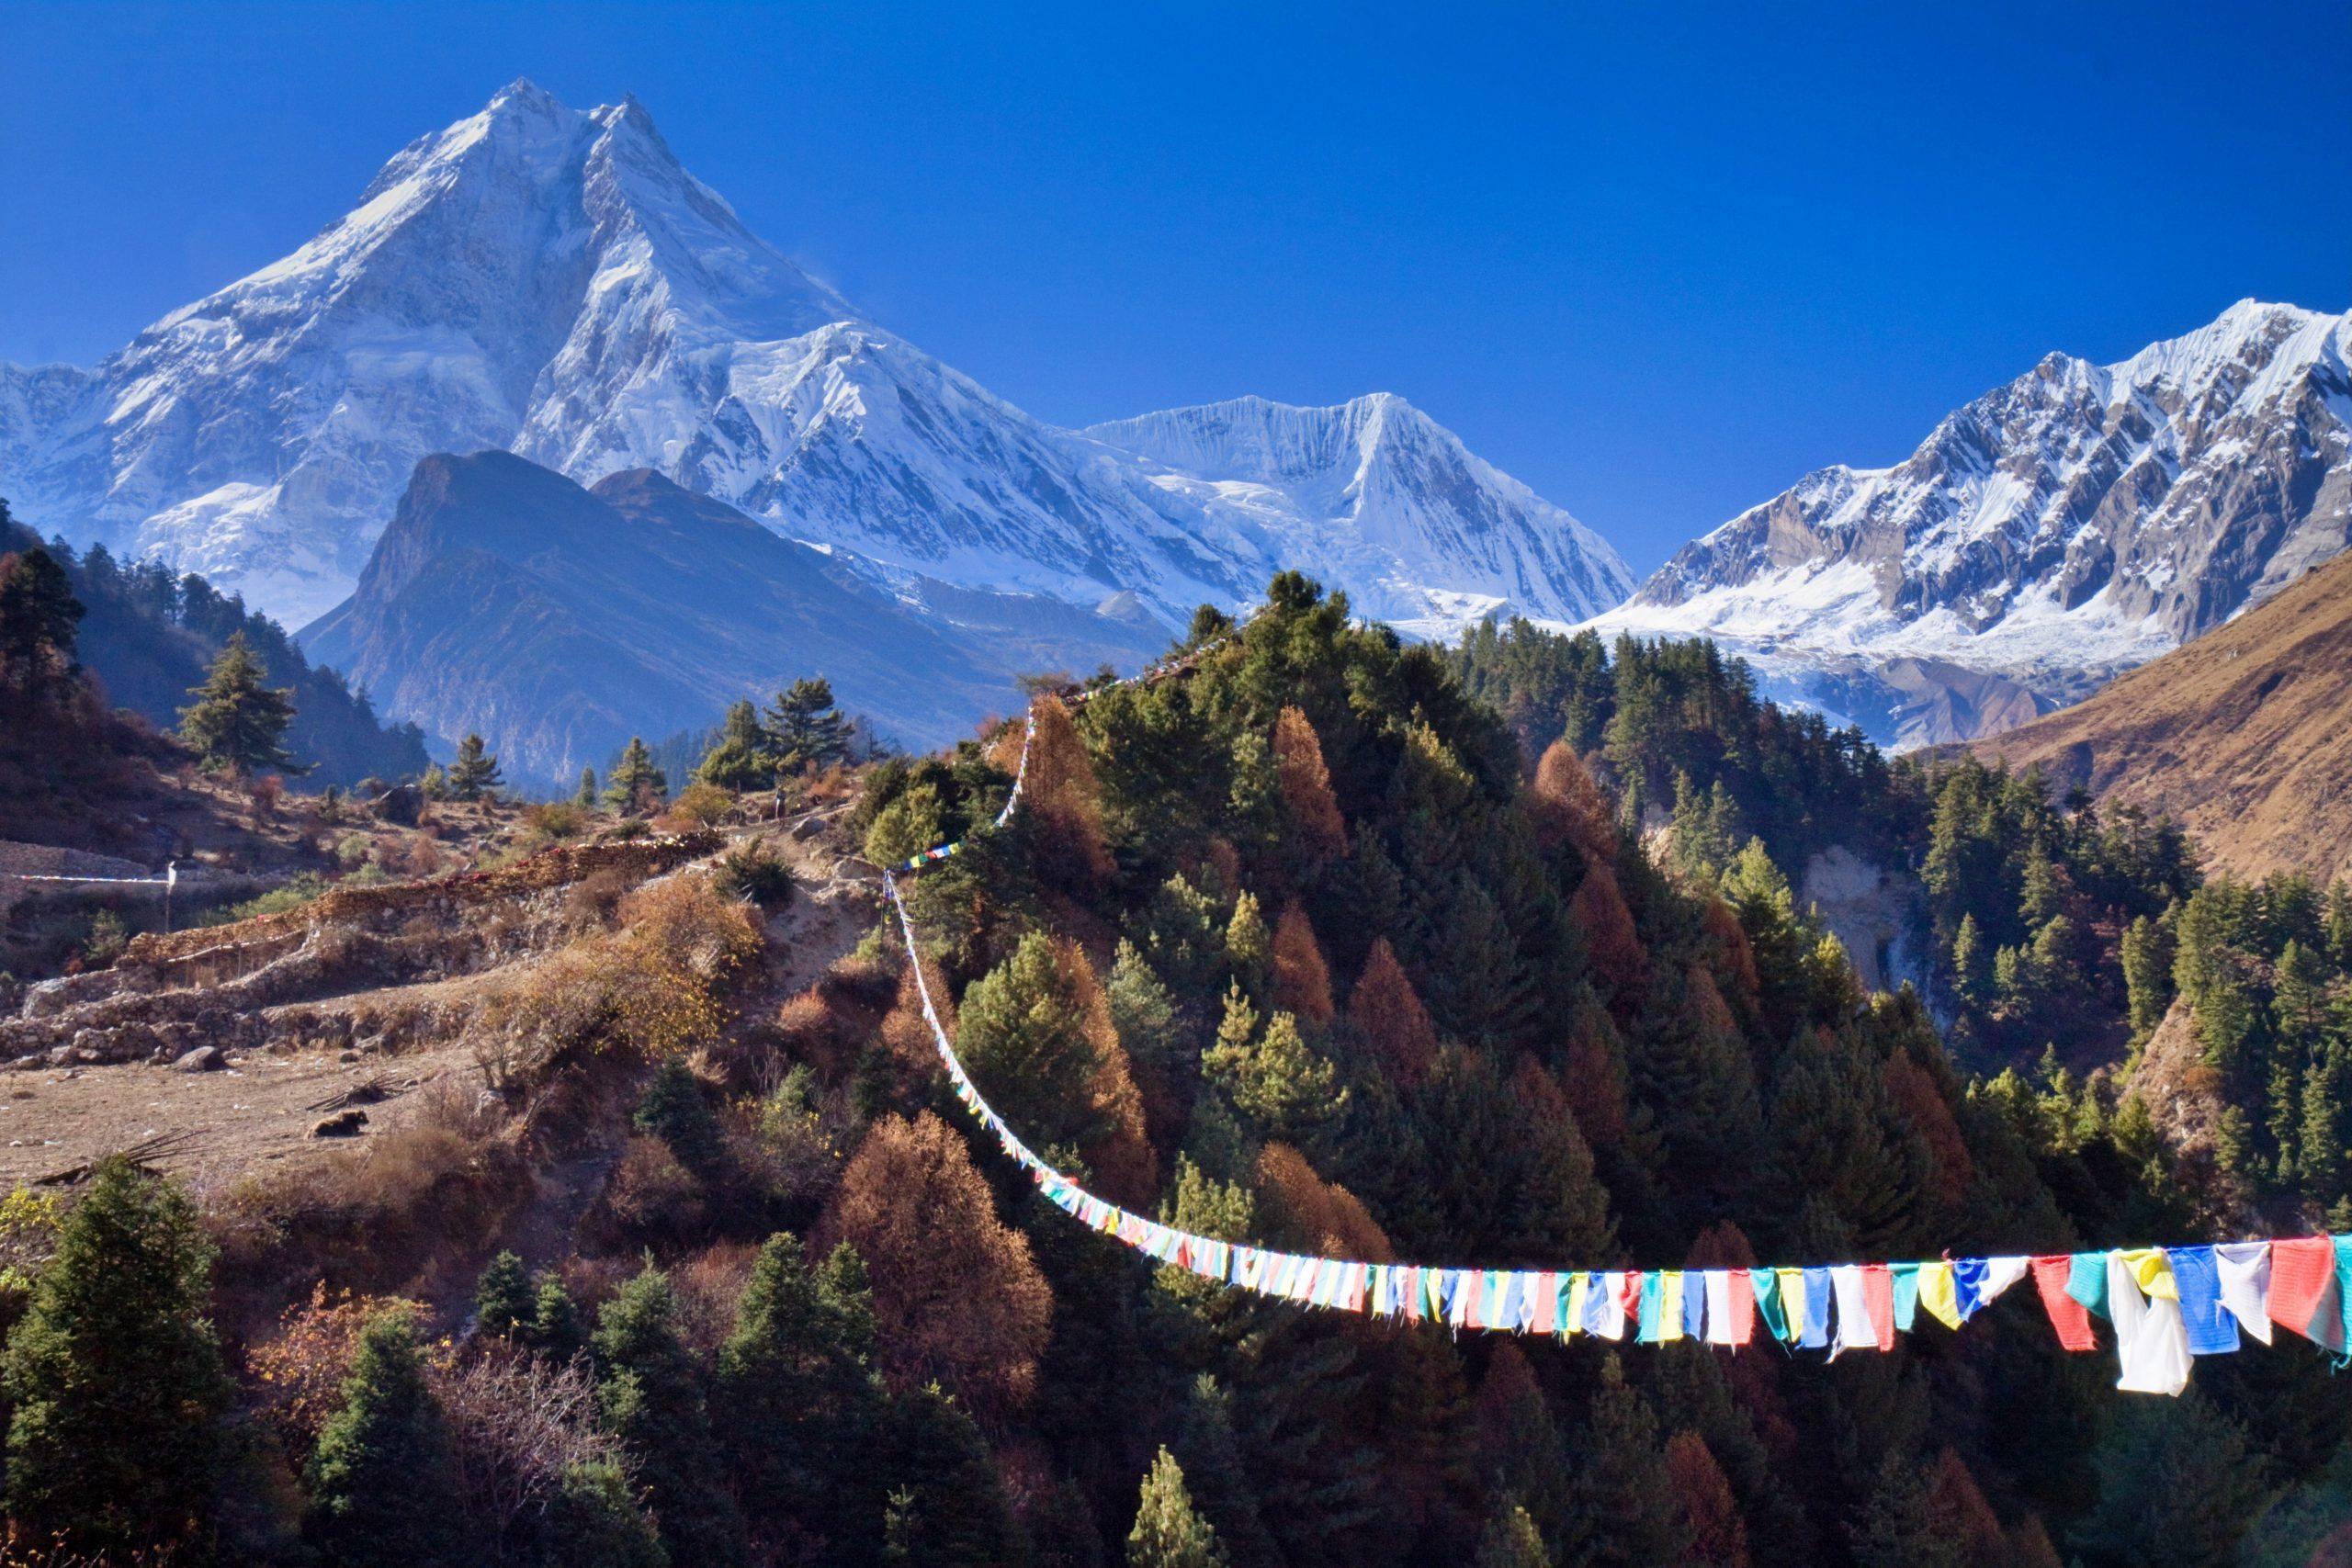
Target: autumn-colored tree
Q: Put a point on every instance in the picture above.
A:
(1310, 812)
(1520, 1452)
(1511, 1540)
(1062, 803)
(1570, 807)
(1718, 1534)
(301, 1368)
(1302, 980)
(1594, 1074)
(383, 1486)
(1385, 1008)
(1620, 962)
(957, 1295)
(1312, 1214)
(1914, 1091)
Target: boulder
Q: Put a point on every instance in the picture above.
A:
(203, 1059)
(402, 806)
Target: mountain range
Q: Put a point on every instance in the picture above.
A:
(2071, 524)
(552, 282)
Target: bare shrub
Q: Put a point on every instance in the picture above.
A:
(517, 1424)
(650, 1192)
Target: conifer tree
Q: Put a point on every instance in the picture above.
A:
(737, 758)
(804, 730)
(796, 1402)
(1511, 1539)
(1302, 980)
(40, 618)
(382, 1488)
(676, 1109)
(475, 771)
(114, 1376)
(635, 777)
(557, 1332)
(1248, 946)
(1624, 1496)
(651, 1396)
(584, 796)
(1023, 1033)
(237, 723)
(593, 1521)
(946, 1507)
(503, 1304)
(2147, 976)
(1970, 973)
(1394, 1022)
(1144, 1013)
(1217, 1477)
(1311, 817)
(1169, 1531)
(1279, 1086)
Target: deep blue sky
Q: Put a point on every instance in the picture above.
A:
(1657, 267)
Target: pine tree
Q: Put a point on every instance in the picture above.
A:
(797, 1404)
(676, 1109)
(1024, 1035)
(737, 758)
(593, 1521)
(2179, 1484)
(650, 1395)
(1144, 1013)
(1391, 1017)
(38, 622)
(2147, 976)
(1281, 1086)
(1970, 976)
(584, 796)
(380, 1482)
(803, 729)
(1511, 1539)
(1625, 1496)
(1311, 817)
(1219, 1482)
(1248, 946)
(1169, 1532)
(115, 1377)
(635, 777)
(475, 771)
(1302, 980)
(503, 1304)
(947, 1507)
(236, 723)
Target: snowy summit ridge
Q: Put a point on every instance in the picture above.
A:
(2058, 530)
(552, 282)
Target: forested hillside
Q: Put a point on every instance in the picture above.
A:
(149, 637)
(1330, 944)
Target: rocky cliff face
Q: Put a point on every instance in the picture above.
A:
(2074, 523)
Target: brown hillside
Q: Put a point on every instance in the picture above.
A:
(2246, 735)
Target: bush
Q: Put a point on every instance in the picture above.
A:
(289, 895)
(108, 936)
(555, 819)
(697, 805)
(754, 872)
(649, 1193)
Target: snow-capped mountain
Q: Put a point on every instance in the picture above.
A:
(552, 282)
(2058, 530)
(1385, 500)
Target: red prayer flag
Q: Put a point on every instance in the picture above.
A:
(1878, 1296)
(1743, 1307)
(2303, 1291)
(2067, 1316)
